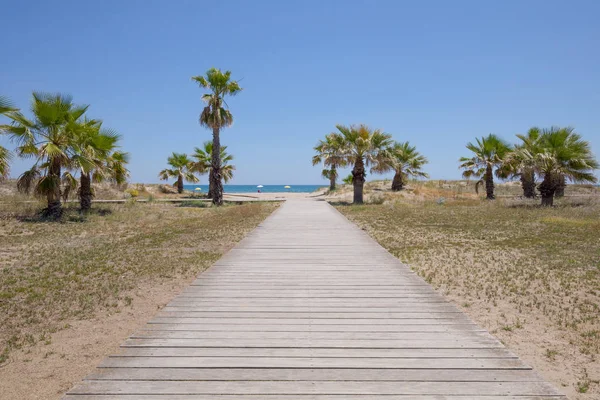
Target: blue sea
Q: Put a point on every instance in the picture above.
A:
(255, 189)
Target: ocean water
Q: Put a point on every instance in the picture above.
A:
(254, 189)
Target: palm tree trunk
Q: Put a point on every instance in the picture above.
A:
(489, 183)
(528, 183)
(547, 189)
(398, 182)
(85, 191)
(358, 180)
(561, 183)
(332, 176)
(215, 171)
(53, 195)
(180, 184)
(210, 188)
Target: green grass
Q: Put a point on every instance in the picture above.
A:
(55, 272)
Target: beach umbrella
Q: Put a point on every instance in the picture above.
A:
(287, 187)
(259, 186)
(198, 189)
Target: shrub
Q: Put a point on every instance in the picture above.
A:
(132, 192)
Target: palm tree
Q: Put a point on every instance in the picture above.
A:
(182, 170)
(364, 147)
(489, 153)
(215, 116)
(203, 163)
(563, 155)
(525, 172)
(5, 155)
(49, 138)
(116, 165)
(330, 152)
(94, 150)
(406, 161)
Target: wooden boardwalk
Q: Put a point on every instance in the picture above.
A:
(309, 307)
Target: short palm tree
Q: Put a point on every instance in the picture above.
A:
(530, 142)
(488, 154)
(215, 116)
(330, 152)
(406, 161)
(116, 165)
(94, 147)
(203, 163)
(5, 155)
(563, 155)
(364, 147)
(49, 138)
(182, 170)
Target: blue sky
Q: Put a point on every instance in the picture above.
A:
(436, 73)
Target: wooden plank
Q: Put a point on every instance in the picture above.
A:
(315, 352)
(170, 313)
(150, 396)
(314, 387)
(314, 374)
(305, 362)
(309, 335)
(314, 328)
(313, 343)
(453, 319)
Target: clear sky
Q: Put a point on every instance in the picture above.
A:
(436, 73)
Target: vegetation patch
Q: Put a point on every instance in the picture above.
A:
(531, 275)
(55, 272)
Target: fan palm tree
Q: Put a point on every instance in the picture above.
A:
(215, 116)
(5, 155)
(526, 173)
(203, 163)
(406, 161)
(563, 155)
(94, 150)
(515, 165)
(116, 165)
(182, 170)
(489, 153)
(364, 147)
(330, 152)
(49, 138)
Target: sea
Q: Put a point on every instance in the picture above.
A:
(255, 188)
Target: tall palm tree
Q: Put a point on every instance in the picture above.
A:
(489, 153)
(364, 147)
(182, 170)
(215, 116)
(203, 163)
(406, 161)
(330, 152)
(5, 156)
(563, 155)
(49, 138)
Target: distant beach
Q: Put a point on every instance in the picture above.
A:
(264, 189)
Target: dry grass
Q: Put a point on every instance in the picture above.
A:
(530, 275)
(52, 273)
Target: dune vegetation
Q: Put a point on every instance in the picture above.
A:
(528, 274)
(56, 272)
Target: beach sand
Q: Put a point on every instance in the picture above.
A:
(271, 196)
